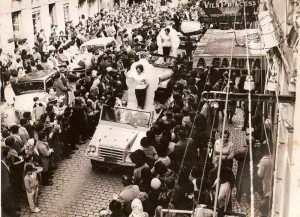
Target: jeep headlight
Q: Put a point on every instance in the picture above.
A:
(91, 149)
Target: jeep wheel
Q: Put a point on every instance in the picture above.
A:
(94, 163)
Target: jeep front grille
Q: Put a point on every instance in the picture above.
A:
(109, 153)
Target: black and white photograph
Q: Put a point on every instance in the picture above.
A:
(150, 108)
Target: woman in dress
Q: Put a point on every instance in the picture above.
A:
(166, 42)
(141, 85)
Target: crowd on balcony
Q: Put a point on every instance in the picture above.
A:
(177, 163)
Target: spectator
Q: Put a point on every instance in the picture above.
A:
(130, 190)
(14, 162)
(226, 183)
(38, 110)
(32, 187)
(8, 194)
(23, 133)
(265, 171)
(18, 143)
(61, 89)
(137, 209)
(227, 149)
(9, 94)
(149, 150)
(139, 159)
(45, 157)
(189, 47)
(78, 124)
(231, 107)
(184, 151)
(116, 209)
(29, 127)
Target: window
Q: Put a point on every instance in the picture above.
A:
(16, 22)
(66, 13)
(31, 87)
(49, 83)
(52, 15)
(36, 19)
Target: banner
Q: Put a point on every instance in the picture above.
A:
(216, 11)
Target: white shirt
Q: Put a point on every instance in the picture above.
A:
(166, 40)
(140, 81)
(9, 94)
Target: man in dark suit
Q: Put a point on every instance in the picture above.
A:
(110, 104)
(177, 20)
(207, 154)
(8, 195)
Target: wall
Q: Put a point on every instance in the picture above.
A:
(286, 189)
(86, 7)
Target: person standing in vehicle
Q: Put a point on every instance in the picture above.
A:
(166, 42)
(141, 85)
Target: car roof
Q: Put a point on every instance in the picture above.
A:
(190, 26)
(98, 41)
(132, 26)
(40, 75)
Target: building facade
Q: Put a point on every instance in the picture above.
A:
(24, 18)
(286, 182)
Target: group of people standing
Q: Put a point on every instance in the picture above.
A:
(177, 163)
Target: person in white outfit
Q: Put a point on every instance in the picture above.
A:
(141, 85)
(9, 94)
(166, 42)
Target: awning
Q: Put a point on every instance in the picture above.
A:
(217, 44)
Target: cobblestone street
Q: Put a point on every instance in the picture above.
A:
(77, 190)
(80, 191)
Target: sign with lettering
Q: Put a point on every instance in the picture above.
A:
(225, 9)
(238, 63)
(229, 4)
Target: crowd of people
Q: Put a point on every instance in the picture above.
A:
(177, 164)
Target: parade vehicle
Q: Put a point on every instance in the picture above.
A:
(34, 84)
(131, 27)
(190, 29)
(118, 134)
(120, 129)
(77, 67)
(164, 70)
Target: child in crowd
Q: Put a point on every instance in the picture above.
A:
(32, 186)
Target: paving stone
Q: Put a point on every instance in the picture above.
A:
(80, 191)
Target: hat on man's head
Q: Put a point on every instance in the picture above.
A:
(35, 98)
(52, 99)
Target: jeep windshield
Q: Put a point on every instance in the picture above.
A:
(30, 87)
(161, 61)
(98, 47)
(126, 116)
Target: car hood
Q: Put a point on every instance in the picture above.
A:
(164, 76)
(114, 137)
(74, 65)
(25, 102)
(86, 58)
